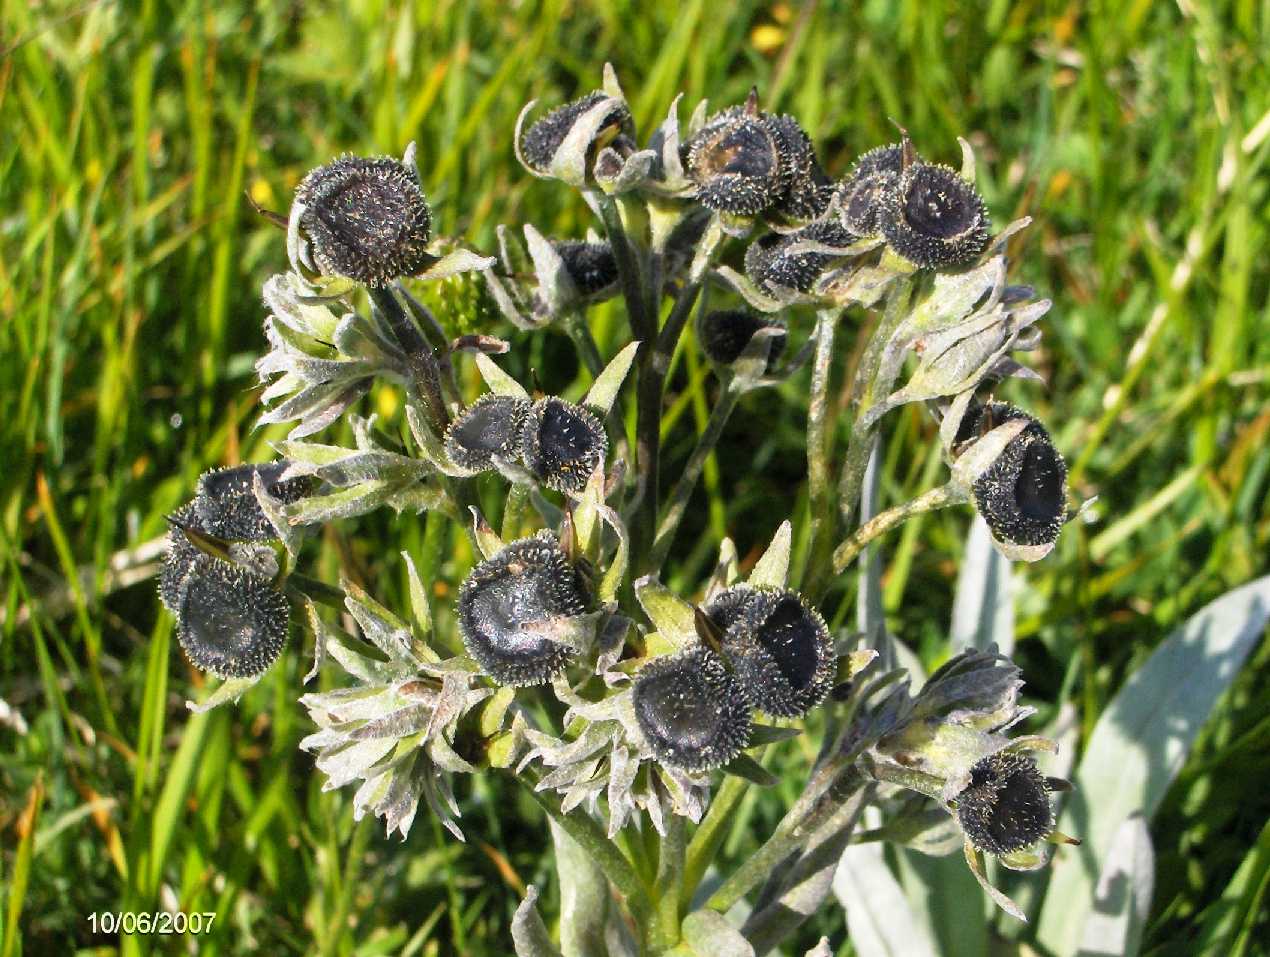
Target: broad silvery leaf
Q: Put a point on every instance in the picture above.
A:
(772, 569)
(879, 919)
(1140, 743)
(584, 897)
(983, 607)
(707, 934)
(529, 933)
(1123, 893)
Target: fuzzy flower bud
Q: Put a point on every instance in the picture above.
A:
(487, 428)
(564, 143)
(691, 711)
(772, 262)
(724, 334)
(862, 193)
(1018, 479)
(778, 646)
(513, 606)
(367, 219)
(562, 444)
(934, 218)
(1006, 807)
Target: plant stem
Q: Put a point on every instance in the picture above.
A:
(711, 832)
(319, 591)
(682, 492)
(667, 889)
(425, 380)
(652, 382)
(575, 325)
(604, 852)
(514, 511)
(928, 501)
(833, 783)
(823, 518)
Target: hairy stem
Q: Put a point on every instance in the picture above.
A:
(687, 481)
(652, 382)
(712, 831)
(939, 497)
(667, 889)
(425, 373)
(829, 786)
(823, 518)
(590, 836)
(575, 325)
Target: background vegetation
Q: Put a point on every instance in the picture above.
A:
(130, 265)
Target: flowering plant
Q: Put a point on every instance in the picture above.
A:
(636, 717)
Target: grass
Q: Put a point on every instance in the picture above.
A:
(130, 268)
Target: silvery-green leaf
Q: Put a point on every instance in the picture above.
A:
(569, 162)
(228, 692)
(283, 294)
(486, 538)
(346, 763)
(419, 603)
(983, 607)
(616, 174)
(879, 919)
(451, 264)
(555, 285)
(345, 503)
(974, 860)
(749, 369)
(611, 582)
(744, 766)
(499, 382)
(859, 285)
(584, 897)
(389, 633)
(608, 383)
(529, 933)
(671, 615)
(707, 934)
(1141, 742)
(742, 286)
(353, 467)
(726, 569)
(821, 949)
(772, 569)
(319, 638)
(946, 899)
(275, 512)
(586, 516)
(501, 290)
(770, 734)
(315, 406)
(430, 447)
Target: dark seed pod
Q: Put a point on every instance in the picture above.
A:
(591, 266)
(229, 621)
(725, 333)
(770, 265)
(225, 504)
(805, 187)
(782, 653)
(873, 177)
(488, 427)
(692, 713)
(367, 218)
(562, 444)
(1023, 494)
(541, 141)
(179, 559)
(735, 162)
(934, 218)
(508, 604)
(726, 607)
(1006, 806)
